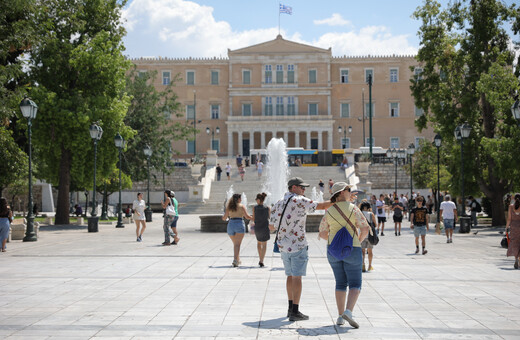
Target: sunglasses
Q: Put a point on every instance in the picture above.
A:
(302, 187)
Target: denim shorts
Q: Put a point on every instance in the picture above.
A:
(449, 223)
(347, 272)
(419, 230)
(236, 226)
(174, 223)
(295, 264)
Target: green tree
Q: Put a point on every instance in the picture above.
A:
(468, 76)
(149, 115)
(14, 163)
(78, 69)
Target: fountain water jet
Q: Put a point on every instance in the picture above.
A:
(276, 170)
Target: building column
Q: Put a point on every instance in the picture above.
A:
(251, 139)
(308, 139)
(262, 139)
(230, 143)
(286, 138)
(329, 139)
(240, 143)
(320, 140)
(297, 138)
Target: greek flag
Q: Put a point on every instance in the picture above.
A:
(285, 9)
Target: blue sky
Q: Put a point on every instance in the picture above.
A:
(207, 28)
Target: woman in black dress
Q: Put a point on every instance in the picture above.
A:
(261, 215)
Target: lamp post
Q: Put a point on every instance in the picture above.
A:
(104, 206)
(213, 131)
(344, 142)
(95, 133)
(369, 82)
(194, 124)
(148, 212)
(515, 109)
(462, 132)
(364, 116)
(411, 151)
(119, 141)
(29, 110)
(438, 141)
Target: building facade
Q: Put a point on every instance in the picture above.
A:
(293, 91)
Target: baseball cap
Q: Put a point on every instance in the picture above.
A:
(297, 181)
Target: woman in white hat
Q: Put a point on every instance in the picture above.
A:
(347, 271)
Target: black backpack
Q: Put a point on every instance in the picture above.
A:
(478, 207)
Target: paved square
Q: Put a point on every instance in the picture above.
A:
(72, 284)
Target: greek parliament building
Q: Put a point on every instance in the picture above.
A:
(293, 91)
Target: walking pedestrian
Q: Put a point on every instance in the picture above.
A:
(219, 172)
(6, 218)
(138, 207)
(331, 183)
(173, 226)
(420, 224)
(236, 227)
(380, 213)
(261, 219)
(239, 160)
(289, 215)
(169, 214)
(406, 206)
(513, 227)
(475, 207)
(241, 172)
(366, 246)
(322, 186)
(448, 214)
(347, 271)
(398, 209)
(228, 171)
(259, 168)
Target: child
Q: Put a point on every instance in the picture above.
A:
(420, 220)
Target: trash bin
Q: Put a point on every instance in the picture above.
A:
(148, 215)
(93, 224)
(465, 224)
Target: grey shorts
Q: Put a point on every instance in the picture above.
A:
(366, 244)
(419, 230)
(295, 264)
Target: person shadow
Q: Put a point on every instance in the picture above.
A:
(278, 323)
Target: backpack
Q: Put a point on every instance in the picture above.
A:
(478, 207)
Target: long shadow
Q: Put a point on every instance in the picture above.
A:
(278, 323)
(59, 227)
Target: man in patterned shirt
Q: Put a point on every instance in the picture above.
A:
(292, 239)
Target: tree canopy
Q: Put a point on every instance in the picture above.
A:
(467, 74)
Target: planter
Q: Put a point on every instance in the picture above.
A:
(363, 167)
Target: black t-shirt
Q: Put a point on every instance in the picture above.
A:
(419, 215)
(398, 212)
(219, 169)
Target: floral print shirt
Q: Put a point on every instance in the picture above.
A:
(291, 237)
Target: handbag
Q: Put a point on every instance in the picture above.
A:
(505, 241)
(276, 249)
(170, 210)
(372, 237)
(342, 243)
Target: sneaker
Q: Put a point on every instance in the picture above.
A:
(417, 250)
(451, 240)
(370, 269)
(166, 243)
(515, 265)
(340, 321)
(382, 234)
(364, 268)
(347, 315)
(424, 252)
(261, 264)
(235, 263)
(448, 241)
(138, 240)
(298, 317)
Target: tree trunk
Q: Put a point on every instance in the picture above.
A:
(62, 209)
(497, 208)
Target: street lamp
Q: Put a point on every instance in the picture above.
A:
(194, 124)
(95, 133)
(438, 141)
(213, 131)
(411, 151)
(344, 142)
(369, 82)
(462, 132)
(148, 212)
(364, 116)
(515, 109)
(394, 153)
(119, 141)
(29, 110)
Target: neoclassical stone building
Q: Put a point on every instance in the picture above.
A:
(293, 91)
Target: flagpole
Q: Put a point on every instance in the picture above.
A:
(279, 19)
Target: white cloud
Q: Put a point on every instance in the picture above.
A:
(335, 20)
(181, 28)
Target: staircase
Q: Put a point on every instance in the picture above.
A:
(252, 185)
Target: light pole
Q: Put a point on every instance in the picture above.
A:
(95, 133)
(462, 132)
(194, 125)
(395, 154)
(119, 141)
(411, 151)
(438, 141)
(344, 142)
(29, 110)
(148, 212)
(369, 82)
(213, 131)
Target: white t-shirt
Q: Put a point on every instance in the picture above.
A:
(260, 166)
(228, 168)
(447, 208)
(380, 209)
(139, 206)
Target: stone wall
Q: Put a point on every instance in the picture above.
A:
(382, 176)
(179, 180)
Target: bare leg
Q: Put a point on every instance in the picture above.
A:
(4, 243)
(370, 257)
(176, 238)
(237, 241)
(294, 288)
(261, 246)
(341, 296)
(423, 239)
(136, 227)
(143, 227)
(353, 295)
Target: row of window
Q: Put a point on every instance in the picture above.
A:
(288, 107)
(285, 75)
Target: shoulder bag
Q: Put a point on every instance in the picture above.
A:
(275, 248)
(372, 236)
(342, 243)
